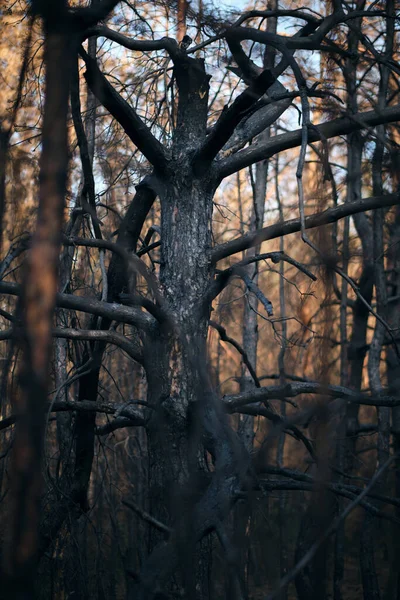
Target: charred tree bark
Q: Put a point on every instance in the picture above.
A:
(175, 384)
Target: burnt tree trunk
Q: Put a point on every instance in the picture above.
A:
(174, 382)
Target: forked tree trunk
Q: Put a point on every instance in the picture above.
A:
(174, 381)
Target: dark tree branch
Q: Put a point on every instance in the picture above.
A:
(114, 425)
(279, 143)
(232, 116)
(279, 484)
(148, 518)
(290, 390)
(254, 289)
(225, 338)
(165, 43)
(14, 251)
(281, 424)
(87, 169)
(300, 476)
(132, 264)
(248, 70)
(262, 115)
(331, 215)
(259, 82)
(86, 406)
(126, 116)
(109, 336)
(301, 41)
(130, 259)
(277, 257)
(114, 312)
(251, 74)
(265, 14)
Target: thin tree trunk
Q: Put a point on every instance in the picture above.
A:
(283, 558)
(370, 580)
(339, 547)
(243, 511)
(393, 380)
(37, 306)
(358, 341)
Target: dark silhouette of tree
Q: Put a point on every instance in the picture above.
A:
(149, 281)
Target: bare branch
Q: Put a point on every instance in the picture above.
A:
(290, 390)
(225, 338)
(331, 215)
(126, 116)
(232, 116)
(112, 311)
(109, 336)
(148, 518)
(342, 126)
(165, 43)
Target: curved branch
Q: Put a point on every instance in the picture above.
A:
(302, 41)
(126, 116)
(300, 476)
(298, 13)
(259, 81)
(279, 484)
(14, 251)
(129, 233)
(131, 262)
(109, 336)
(265, 114)
(225, 338)
(130, 259)
(87, 167)
(165, 43)
(115, 312)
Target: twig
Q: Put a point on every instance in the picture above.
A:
(148, 518)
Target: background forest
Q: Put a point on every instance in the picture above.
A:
(200, 300)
